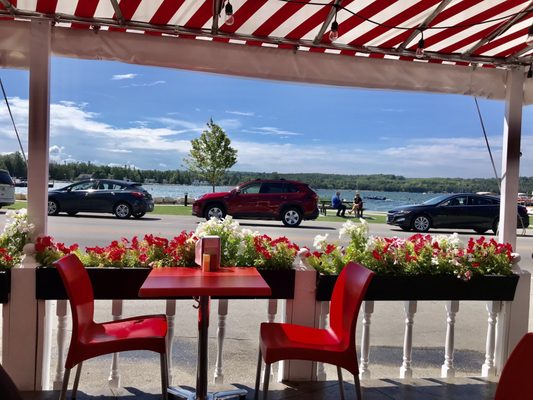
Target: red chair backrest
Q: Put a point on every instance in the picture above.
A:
(346, 300)
(79, 290)
(516, 381)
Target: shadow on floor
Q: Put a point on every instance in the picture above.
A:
(383, 389)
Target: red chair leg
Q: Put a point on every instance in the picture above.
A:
(64, 386)
(164, 376)
(341, 382)
(258, 374)
(266, 380)
(76, 381)
(357, 387)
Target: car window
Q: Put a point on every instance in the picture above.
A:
(83, 186)
(252, 188)
(110, 186)
(292, 188)
(456, 201)
(273, 187)
(482, 201)
(5, 178)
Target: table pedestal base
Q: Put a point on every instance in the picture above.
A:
(180, 393)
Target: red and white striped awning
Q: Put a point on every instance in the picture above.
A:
(486, 32)
(464, 33)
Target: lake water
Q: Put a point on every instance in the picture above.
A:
(392, 199)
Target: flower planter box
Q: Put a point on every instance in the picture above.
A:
(280, 281)
(124, 283)
(108, 283)
(429, 287)
(5, 285)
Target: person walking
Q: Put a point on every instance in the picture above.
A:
(336, 203)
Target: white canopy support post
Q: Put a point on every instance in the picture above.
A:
(514, 316)
(26, 344)
(39, 125)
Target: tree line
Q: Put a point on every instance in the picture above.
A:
(14, 163)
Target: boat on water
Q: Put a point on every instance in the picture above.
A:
(375, 198)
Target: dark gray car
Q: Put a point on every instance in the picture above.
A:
(121, 198)
(458, 211)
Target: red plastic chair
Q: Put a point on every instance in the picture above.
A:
(515, 380)
(90, 339)
(334, 345)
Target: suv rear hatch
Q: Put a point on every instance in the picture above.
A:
(7, 188)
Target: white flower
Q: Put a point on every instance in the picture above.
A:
(320, 241)
(347, 229)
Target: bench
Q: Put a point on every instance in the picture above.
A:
(326, 205)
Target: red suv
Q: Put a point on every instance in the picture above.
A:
(288, 201)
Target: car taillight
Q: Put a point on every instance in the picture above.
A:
(137, 194)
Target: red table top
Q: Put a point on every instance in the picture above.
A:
(227, 282)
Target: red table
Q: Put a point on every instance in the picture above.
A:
(182, 282)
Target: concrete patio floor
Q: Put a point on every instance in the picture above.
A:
(382, 389)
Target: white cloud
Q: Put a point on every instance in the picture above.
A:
(79, 134)
(56, 153)
(123, 76)
(242, 113)
(115, 150)
(147, 84)
(270, 130)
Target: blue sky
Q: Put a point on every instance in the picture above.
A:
(114, 113)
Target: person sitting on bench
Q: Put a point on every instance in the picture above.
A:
(357, 207)
(336, 203)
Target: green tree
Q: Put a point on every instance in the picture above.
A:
(211, 154)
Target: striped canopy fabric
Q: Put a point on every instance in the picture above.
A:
(469, 47)
(486, 33)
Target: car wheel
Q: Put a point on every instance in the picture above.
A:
(53, 207)
(291, 217)
(495, 226)
(215, 210)
(481, 231)
(139, 214)
(72, 213)
(421, 223)
(122, 210)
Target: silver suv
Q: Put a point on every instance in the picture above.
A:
(7, 189)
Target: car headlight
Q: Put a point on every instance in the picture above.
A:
(403, 212)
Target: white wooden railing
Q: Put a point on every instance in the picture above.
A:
(405, 365)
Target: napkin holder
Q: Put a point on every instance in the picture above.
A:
(207, 253)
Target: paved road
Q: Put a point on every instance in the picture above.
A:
(241, 336)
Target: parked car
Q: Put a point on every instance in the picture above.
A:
(462, 210)
(121, 198)
(274, 199)
(7, 189)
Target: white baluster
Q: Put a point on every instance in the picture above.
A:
(323, 322)
(368, 309)
(171, 313)
(447, 369)
(114, 376)
(61, 313)
(489, 368)
(221, 332)
(410, 310)
(272, 312)
(272, 309)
